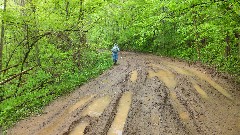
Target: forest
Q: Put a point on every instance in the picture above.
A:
(48, 48)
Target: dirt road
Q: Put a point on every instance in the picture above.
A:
(144, 95)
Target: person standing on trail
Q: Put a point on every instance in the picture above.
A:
(115, 51)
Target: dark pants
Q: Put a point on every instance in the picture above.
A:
(115, 57)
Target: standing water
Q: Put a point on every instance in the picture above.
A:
(122, 113)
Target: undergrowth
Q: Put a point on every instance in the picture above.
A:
(41, 87)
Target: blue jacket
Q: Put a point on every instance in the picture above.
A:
(115, 49)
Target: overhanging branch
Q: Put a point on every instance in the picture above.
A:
(15, 76)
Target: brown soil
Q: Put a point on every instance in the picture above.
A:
(144, 95)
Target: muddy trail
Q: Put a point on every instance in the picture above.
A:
(144, 95)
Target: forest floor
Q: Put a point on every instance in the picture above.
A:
(144, 95)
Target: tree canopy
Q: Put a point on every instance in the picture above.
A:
(206, 31)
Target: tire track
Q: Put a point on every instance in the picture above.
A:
(167, 97)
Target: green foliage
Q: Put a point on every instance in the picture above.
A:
(61, 39)
(193, 30)
(51, 37)
(41, 88)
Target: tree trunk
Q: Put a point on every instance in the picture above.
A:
(237, 36)
(35, 32)
(80, 20)
(2, 36)
(238, 48)
(227, 49)
(196, 35)
(67, 9)
(77, 54)
(81, 14)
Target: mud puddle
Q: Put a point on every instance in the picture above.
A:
(164, 97)
(212, 83)
(179, 70)
(121, 116)
(134, 75)
(191, 72)
(200, 90)
(180, 109)
(80, 103)
(48, 129)
(79, 129)
(97, 107)
(166, 76)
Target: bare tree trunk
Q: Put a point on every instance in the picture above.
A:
(196, 35)
(227, 49)
(36, 32)
(77, 54)
(2, 37)
(80, 20)
(239, 48)
(237, 36)
(81, 14)
(67, 9)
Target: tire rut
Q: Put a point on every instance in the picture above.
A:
(102, 126)
(161, 96)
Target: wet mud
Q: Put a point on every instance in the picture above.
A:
(143, 95)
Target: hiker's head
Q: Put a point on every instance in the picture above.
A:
(115, 44)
